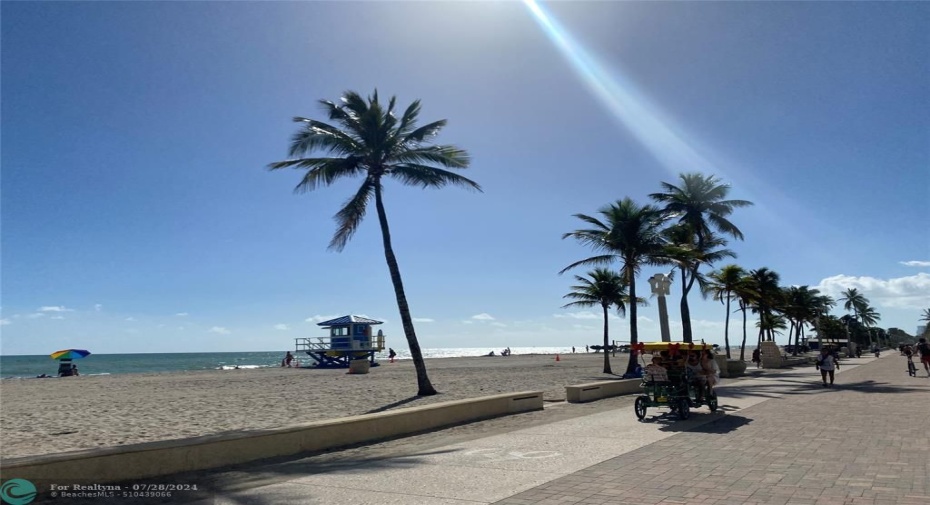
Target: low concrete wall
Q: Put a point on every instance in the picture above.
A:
(152, 459)
(596, 390)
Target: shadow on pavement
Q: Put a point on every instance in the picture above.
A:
(812, 385)
(725, 424)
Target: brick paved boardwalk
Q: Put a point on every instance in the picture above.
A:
(866, 441)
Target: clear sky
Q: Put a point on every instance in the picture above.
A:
(137, 215)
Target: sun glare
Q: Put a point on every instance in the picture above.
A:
(624, 100)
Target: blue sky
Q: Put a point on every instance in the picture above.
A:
(137, 215)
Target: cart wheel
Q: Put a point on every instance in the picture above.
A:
(684, 411)
(640, 407)
(712, 403)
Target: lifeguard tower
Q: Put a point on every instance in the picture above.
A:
(349, 339)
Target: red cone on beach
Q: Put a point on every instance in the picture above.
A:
(557, 357)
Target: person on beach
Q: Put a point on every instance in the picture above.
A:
(757, 357)
(923, 348)
(74, 370)
(391, 354)
(288, 358)
(827, 365)
(573, 349)
(586, 349)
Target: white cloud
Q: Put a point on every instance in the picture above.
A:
(220, 330)
(282, 327)
(583, 327)
(130, 319)
(484, 316)
(423, 320)
(4, 322)
(912, 292)
(182, 314)
(36, 315)
(585, 314)
(319, 319)
(98, 307)
(54, 308)
(915, 263)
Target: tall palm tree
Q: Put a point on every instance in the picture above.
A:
(869, 316)
(746, 294)
(768, 294)
(629, 233)
(724, 283)
(688, 256)
(370, 141)
(853, 301)
(605, 288)
(700, 203)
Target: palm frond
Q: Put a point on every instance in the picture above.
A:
(319, 135)
(350, 215)
(447, 156)
(423, 132)
(430, 177)
(321, 171)
(605, 259)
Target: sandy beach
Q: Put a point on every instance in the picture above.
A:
(41, 416)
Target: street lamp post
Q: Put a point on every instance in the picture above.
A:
(660, 284)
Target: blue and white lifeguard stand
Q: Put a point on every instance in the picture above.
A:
(350, 338)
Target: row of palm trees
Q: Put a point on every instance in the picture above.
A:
(685, 229)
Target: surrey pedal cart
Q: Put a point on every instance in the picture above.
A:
(670, 383)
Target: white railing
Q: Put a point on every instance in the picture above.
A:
(317, 344)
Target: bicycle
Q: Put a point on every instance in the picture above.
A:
(911, 367)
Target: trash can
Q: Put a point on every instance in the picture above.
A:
(359, 366)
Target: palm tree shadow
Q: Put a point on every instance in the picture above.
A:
(814, 385)
(394, 405)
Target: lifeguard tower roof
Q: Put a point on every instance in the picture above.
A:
(344, 320)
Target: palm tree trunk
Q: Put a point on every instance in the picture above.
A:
(686, 335)
(634, 335)
(742, 347)
(606, 343)
(424, 387)
(726, 327)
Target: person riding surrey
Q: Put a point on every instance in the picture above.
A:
(827, 365)
(923, 348)
(696, 374)
(711, 369)
(655, 372)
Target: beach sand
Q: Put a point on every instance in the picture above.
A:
(42, 416)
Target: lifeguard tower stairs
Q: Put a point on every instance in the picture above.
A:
(349, 339)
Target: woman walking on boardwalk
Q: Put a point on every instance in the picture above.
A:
(827, 364)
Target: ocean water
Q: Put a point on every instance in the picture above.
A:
(105, 364)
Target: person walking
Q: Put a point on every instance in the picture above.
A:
(923, 349)
(827, 364)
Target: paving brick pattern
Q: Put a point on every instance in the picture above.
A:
(865, 441)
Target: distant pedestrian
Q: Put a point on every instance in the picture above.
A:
(288, 358)
(827, 365)
(573, 349)
(757, 357)
(923, 348)
(586, 349)
(391, 354)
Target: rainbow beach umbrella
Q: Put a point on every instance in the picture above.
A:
(70, 354)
